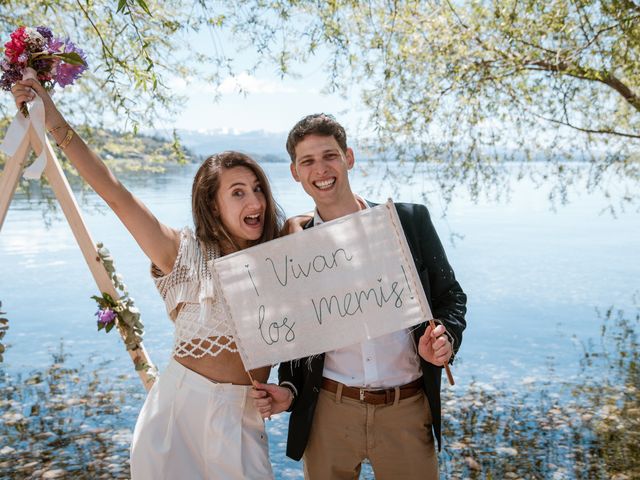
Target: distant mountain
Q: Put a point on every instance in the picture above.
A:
(265, 146)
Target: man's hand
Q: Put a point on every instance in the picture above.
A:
(295, 224)
(270, 399)
(434, 346)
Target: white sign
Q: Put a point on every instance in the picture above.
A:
(324, 288)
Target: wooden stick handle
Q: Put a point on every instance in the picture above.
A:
(449, 375)
(446, 365)
(253, 382)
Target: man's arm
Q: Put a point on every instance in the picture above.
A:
(290, 376)
(448, 301)
(296, 223)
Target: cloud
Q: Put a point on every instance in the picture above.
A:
(250, 84)
(242, 83)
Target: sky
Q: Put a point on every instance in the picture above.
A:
(267, 102)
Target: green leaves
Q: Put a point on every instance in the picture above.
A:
(470, 85)
(122, 4)
(72, 58)
(444, 82)
(134, 48)
(127, 315)
(144, 6)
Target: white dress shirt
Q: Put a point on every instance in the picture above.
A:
(383, 362)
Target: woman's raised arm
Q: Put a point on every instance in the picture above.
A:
(159, 242)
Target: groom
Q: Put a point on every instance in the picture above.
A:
(379, 399)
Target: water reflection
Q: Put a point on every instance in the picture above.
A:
(534, 279)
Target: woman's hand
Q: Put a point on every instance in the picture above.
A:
(24, 91)
(270, 399)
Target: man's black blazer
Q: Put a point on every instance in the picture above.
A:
(448, 305)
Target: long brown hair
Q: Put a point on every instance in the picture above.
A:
(206, 216)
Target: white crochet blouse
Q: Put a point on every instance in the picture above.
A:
(192, 301)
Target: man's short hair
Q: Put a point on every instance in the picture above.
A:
(316, 124)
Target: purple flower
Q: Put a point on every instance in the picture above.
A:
(9, 78)
(55, 45)
(43, 65)
(105, 316)
(45, 32)
(66, 74)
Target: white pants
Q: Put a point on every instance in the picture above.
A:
(192, 428)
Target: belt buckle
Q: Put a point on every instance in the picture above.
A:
(362, 392)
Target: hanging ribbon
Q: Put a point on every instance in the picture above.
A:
(20, 127)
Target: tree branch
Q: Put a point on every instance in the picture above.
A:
(630, 5)
(593, 75)
(516, 100)
(567, 68)
(588, 130)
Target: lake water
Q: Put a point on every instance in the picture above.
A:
(535, 278)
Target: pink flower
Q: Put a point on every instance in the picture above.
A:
(15, 47)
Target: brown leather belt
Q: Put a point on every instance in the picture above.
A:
(374, 396)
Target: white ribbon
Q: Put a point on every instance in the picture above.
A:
(19, 128)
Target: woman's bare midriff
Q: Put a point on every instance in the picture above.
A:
(225, 367)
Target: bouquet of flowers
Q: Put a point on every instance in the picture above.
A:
(35, 53)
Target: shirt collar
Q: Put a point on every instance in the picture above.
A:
(317, 219)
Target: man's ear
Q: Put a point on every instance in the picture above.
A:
(351, 159)
(294, 172)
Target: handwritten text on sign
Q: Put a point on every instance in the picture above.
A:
(325, 288)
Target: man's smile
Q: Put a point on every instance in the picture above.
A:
(325, 184)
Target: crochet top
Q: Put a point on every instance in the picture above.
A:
(192, 302)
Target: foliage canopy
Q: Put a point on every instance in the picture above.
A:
(464, 84)
(468, 84)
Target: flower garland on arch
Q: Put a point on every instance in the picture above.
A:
(121, 313)
(4, 326)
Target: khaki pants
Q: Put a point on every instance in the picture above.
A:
(397, 439)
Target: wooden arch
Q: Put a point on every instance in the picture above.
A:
(53, 170)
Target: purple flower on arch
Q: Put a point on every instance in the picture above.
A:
(105, 316)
